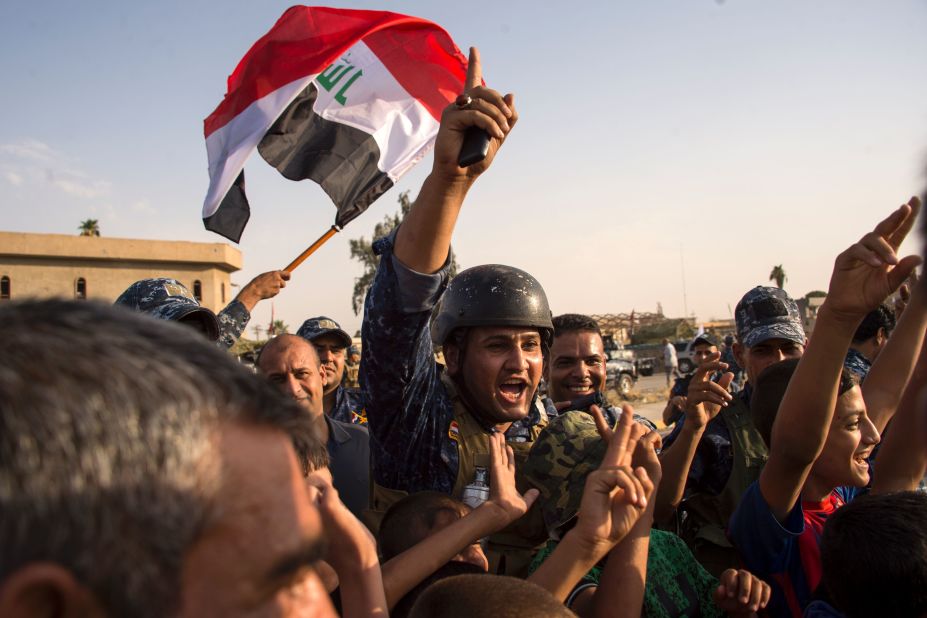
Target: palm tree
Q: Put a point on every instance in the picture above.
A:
(278, 327)
(777, 274)
(89, 227)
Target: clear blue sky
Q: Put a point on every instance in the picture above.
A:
(734, 135)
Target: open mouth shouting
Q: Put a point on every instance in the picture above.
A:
(513, 390)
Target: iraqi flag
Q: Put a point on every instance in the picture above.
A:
(349, 99)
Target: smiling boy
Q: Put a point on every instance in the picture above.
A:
(820, 436)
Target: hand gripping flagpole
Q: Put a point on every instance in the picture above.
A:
(312, 248)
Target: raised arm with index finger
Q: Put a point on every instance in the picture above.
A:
(431, 425)
(815, 421)
(424, 239)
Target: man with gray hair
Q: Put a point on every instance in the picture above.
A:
(143, 472)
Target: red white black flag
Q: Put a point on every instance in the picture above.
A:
(349, 99)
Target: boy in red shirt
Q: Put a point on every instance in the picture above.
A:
(822, 438)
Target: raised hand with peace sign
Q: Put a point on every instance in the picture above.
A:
(615, 497)
(616, 494)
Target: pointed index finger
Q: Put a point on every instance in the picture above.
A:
(891, 224)
(601, 425)
(474, 70)
(901, 232)
(618, 442)
(707, 367)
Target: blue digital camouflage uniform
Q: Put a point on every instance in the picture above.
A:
(232, 322)
(763, 313)
(857, 364)
(168, 299)
(409, 411)
(349, 406)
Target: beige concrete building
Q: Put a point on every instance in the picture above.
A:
(58, 265)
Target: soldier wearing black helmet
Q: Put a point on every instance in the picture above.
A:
(429, 426)
(432, 424)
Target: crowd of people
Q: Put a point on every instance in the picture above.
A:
(145, 472)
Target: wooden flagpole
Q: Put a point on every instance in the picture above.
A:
(312, 248)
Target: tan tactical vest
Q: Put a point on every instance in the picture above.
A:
(508, 551)
(351, 373)
(705, 517)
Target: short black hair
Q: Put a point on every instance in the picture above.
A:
(313, 455)
(874, 555)
(487, 595)
(456, 567)
(770, 388)
(409, 521)
(882, 316)
(575, 322)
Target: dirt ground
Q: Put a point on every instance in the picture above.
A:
(648, 397)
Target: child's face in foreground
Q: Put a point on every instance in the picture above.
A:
(473, 553)
(852, 436)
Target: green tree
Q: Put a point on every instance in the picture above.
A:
(362, 251)
(277, 327)
(89, 227)
(777, 274)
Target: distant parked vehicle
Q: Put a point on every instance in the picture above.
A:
(620, 373)
(684, 356)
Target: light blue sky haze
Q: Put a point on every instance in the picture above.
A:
(737, 134)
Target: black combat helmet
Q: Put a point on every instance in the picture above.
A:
(493, 295)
